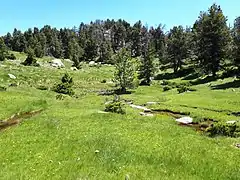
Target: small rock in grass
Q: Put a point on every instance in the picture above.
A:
(110, 82)
(57, 63)
(146, 110)
(151, 103)
(91, 63)
(103, 112)
(74, 69)
(238, 145)
(97, 151)
(185, 120)
(108, 102)
(231, 122)
(68, 60)
(12, 76)
(146, 114)
(140, 107)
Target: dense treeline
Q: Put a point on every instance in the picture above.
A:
(207, 44)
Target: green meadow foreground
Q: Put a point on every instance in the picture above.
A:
(70, 139)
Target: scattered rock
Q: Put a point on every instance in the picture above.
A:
(238, 145)
(108, 102)
(68, 60)
(12, 76)
(151, 103)
(109, 82)
(92, 63)
(103, 112)
(57, 63)
(141, 108)
(185, 120)
(231, 122)
(97, 151)
(128, 101)
(106, 92)
(146, 110)
(146, 114)
(74, 69)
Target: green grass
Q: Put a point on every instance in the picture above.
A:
(60, 143)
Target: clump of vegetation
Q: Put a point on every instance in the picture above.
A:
(42, 87)
(104, 81)
(187, 84)
(169, 83)
(2, 88)
(224, 129)
(183, 89)
(30, 60)
(115, 106)
(167, 88)
(11, 56)
(60, 97)
(65, 87)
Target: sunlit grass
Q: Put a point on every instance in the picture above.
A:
(61, 142)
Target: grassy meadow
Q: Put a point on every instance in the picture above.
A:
(70, 139)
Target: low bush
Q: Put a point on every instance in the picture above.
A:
(187, 84)
(104, 81)
(30, 61)
(182, 89)
(2, 88)
(65, 87)
(60, 97)
(167, 88)
(224, 129)
(115, 106)
(11, 57)
(169, 83)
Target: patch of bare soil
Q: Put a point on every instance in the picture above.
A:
(17, 119)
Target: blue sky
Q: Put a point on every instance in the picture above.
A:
(23, 14)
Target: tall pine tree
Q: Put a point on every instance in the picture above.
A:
(213, 37)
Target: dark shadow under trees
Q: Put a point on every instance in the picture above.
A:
(204, 80)
(181, 73)
(233, 84)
